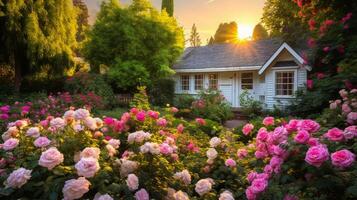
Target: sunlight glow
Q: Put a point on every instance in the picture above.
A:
(245, 31)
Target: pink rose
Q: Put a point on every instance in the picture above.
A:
(51, 158)
(125, 117)
(226, 195)
(161, 122)
(251, 176)
(90, 152)
(87, 167)
(153, 114)
(180, 128)
(81, 114)
(309, 125)
(352, 117)
(200, 121)
(350, 132)
(203, 186)
(343, 158)
(317, 155)
(10, 144)
(302, 137)
(259, 185)
(166, 149)
(42, 142)
(334, 134)
(142, 194)
(18, 178)
(132, 182)
(75, 188)
(346, 109)
(247, 129)
(343, 93)
(262, 134)
(184, 176)
(57, 123)
(114, 143)
(4, 116)
(268, 121)
(313, 142)
(174, 110)
(140, 116)
(33, 132)
(250, 194)
(230, 162)
(134, 111)
(292, 125)
(99, 196)
(279, 135)
(242, 153)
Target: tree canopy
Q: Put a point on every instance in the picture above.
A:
(37, 37)
(195, 39)
(133, 40)
(226, 33)
(168, 5)
(259, 32)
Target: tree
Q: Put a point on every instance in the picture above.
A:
(37, 36)
(137, 35)
(82, 19)
(226, 33)
(210, 41)
(281, 19)
(259, 32)
(168, 5)
(195, 37)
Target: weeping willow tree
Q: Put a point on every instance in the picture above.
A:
(37, 37)
(168, 5)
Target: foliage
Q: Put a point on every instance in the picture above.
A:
(168, 6)
(37, 38)
(212, 105)
(226, 33)
(137, 35)
(82, 20)
(281, 19)
(250, 107)
(162, 92)
(195, 39)
(259, 32)
(183, 101)
(141, 99)
(86, 83)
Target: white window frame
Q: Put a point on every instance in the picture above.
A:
(196, 82)
(294, 83)
(209, 81)
(188, 82)
(252, 84)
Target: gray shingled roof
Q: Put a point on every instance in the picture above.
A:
(252, 53)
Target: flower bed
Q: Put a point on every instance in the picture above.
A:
(145, 155)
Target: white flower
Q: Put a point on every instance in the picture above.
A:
(114, 143)
(57, 123)
(181, 196)
(211, 153)
(203, 186)
(33, 132)
(90, 123)
(184, 176)
(226, 195)
(214, 142)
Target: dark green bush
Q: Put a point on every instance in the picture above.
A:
(250, 107)
(183, 101)
(162, 92)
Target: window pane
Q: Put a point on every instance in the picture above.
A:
(213, 81)
(284, 83)
(247, 81)
(198, 81)
(185, 82)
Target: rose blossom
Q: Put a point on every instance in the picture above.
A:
(335, 135)
(268, 121)
(33, 132)
(302, 137)
(69, 114)
(75, 188)
(153, 114)
(309, 125)
(200, 121)
(57, 123)
(352, 117)
(259, 185)
(87, 167)
(42, 142)
(214, 142)
(18, 178)
(317, 155)
(313, 142)
(350, 132)
(138, 136)
(203, 186)
(250, 194)
(51, 158)
(242, 153)
(161, 122)
(290, 197)
(127, 167)
(262, 134)
(142, 194)
(81, 114)
(180, 128)
(211, 153)
(184, 176)
(140, 116)
(343, 158)
(247, 129)
(10, 144)
(230, 162)
(90, 123)
(114, 143)
(180, 196)
(251, 176)
(99, 196)
(226, 195)
(111, 150)
(132, 182)
(90, 152)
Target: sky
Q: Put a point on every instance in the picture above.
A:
(208, 14)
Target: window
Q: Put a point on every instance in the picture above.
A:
(284, 83)
(185, 82)
(199, 82)
(247, 81)
(213, 81)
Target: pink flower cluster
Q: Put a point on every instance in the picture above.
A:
(347, 105)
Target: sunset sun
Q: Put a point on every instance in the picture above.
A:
(245, 31)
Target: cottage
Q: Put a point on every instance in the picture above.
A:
(270, 70)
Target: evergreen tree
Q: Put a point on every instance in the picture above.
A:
(82, 19)
(168, 5)
(210, 41)
(259, 32)
(37, 36)
(195, 37)
(226, 33)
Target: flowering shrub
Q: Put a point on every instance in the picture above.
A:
(53, 105)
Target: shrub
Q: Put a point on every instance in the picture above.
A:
(212, 105)
(141, 99)
(183, 101)
(250, 107)
(84, 83)
(162, 92)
